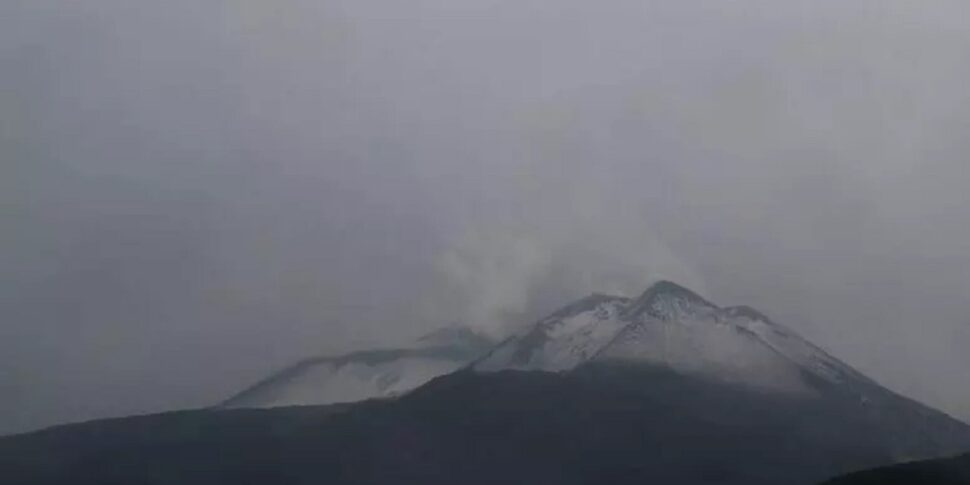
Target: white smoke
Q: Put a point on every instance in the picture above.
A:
(501, 275)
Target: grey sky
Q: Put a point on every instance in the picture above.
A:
(195, 193)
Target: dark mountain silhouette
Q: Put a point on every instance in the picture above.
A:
(666, 388)
(944, 471)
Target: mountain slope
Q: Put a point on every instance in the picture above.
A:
(366, 374)
(562, 340)
(671, 327)
(947, 471)
(597, 424)
(665, 388)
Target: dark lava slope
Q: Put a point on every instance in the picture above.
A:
(596, 424)
(944, 471)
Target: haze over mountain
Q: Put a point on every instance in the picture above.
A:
(667, 388)
(194, 194)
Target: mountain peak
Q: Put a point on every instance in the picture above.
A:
(584, 305)
(669, 287)
(665, 299)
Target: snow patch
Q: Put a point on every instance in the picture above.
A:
(559, 343)
(709, 348)
(329, 383)
(671, 326)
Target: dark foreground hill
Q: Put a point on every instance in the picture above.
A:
(596, 424)
(944, 471)
(668, 388)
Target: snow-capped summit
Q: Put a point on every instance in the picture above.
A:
(672, 327)
(667, 300)
(562, 340)
(664, 388)
(668, 326)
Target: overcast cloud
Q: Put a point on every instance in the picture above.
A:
(196, 193)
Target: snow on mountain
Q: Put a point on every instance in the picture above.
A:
(669, 301)
(673, 327)
(808, 356)
(562, 340)
(668, 326)
(666, 388)
(708, 346)
(367, 374)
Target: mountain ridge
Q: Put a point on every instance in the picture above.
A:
(364, 374)
(674, 323)
(678, 390)
(600, 423)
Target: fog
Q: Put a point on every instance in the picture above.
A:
(193, 194)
